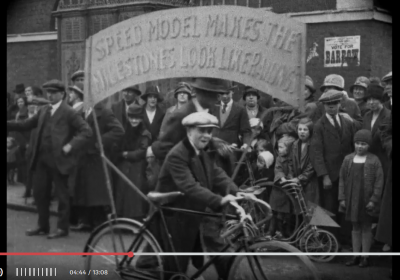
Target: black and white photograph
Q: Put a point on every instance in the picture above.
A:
(199, 140)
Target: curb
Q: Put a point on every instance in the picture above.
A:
(20, 207)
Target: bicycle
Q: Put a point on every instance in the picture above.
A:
(126, 235)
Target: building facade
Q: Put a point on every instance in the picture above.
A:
(46, 38)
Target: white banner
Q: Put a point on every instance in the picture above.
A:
(342, 51)
(250, 46)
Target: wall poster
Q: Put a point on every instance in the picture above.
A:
(342, 51)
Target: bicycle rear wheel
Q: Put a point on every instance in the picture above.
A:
(263, 267)
(124, 234)
(321, 241)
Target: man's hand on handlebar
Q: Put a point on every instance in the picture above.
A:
(247, 196)
(228, 198)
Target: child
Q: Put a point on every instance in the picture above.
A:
(300, 167)
(264, 169)
(360, 188)
(280, 204)
(12, 149)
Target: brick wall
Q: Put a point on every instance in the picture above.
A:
(31, 63)
(381, 49)
(374, 36)
(29, 16)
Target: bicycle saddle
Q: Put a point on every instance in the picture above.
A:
(163, 198)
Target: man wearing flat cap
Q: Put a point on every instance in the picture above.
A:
(188, 168)
(332, 140)
(129, 95)
(61, 132)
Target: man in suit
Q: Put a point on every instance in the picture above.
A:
(188, 168)
(204, 96)
(153, 114)
(76, 97)
(61, 132)
(332, 140)
(129, 95)
(233, 121)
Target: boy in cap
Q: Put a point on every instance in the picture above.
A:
(76, 97)
(78, 77)
(332, 140)
(61, 133)
(188, 168)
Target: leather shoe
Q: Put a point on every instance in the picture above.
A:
(81, 227)
(364, 262)
(36, 231)
(354, 261)
(59, 233)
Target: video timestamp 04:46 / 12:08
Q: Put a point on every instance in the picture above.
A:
(89, 272)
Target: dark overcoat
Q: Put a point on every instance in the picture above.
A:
(376, 146)
(174, 131)
(154, 127)
(128, 202)
(328, 148)
(373, 181)
(202, 185)
(300, 167)
(119, 110)
(237, 123)
(67, 128)
(384, 231)
(90, 186)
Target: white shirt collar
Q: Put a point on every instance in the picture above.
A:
(228, 106)
(54, 107)
(194, 147)
(331, 119)
(76, 105)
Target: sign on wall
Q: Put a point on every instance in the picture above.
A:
(342, 51)
(250, 46)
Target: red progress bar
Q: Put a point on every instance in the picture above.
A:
(130, 254)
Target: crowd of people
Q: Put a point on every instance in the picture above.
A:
(338, 150)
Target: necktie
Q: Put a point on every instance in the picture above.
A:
(337, 126)
(224, 108)
(50, 110)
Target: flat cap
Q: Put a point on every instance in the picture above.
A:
(77, 74)
(135, 111)
(387, 77)
(331, 95)
(333, 80)
(200, 119)
(77, 88)
(54, 85)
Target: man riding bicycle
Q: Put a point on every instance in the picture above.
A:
(191, 169)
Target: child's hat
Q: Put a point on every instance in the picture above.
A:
(268, 158)
(363, 135)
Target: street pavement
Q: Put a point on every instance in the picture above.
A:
(18, 221)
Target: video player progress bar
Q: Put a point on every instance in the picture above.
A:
(35, 271)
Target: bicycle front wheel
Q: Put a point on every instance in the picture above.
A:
(263, 267)
(122, 235)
